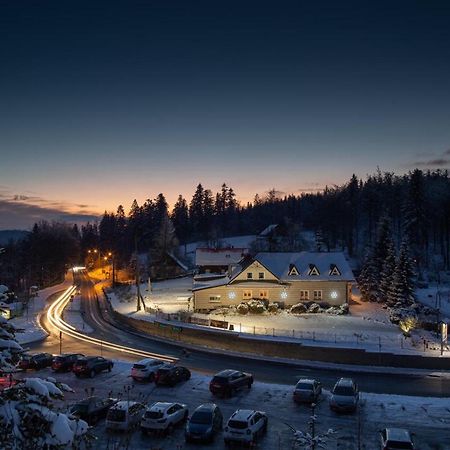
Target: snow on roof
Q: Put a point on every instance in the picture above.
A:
(280, 264)
(204, 284)
(219, 257)
(3, 289)
(268, 229)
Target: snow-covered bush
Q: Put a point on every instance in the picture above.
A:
(256, 306)
(314, 308)
(299, 308)
(242, 308)
(28, 419)
(273, 308)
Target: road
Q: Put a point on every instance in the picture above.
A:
(209, 363)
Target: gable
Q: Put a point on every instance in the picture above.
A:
(313, 270)
(334, 271)
(293, 270)
(255, 269)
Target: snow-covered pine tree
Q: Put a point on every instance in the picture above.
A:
(28, 419)
(403, 286)
(387, 274)
(367, 279)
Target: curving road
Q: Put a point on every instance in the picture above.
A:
(96, 316)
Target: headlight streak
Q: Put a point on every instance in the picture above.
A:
(54, 314)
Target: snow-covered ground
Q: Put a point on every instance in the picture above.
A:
(74, 316)
(29, 322)
(436, 297)
(367, 326)
(428, 418)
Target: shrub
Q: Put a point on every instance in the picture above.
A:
(273, 308)
(299, 308)
(256, 306)
(242, 308)
(314, 308)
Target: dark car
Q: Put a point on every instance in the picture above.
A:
(171, 375)
(227, 382)
(36, 362)
(206, 421)
(307, 391)
(92, 409)
(64, 363)
(91, 366)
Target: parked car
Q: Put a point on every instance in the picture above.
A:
(171, 375)
(396, 439)
(206, 421)
(145, 369)
(124, 415)
(245, 426)
(227, 382)
(307, 391)
(7, 380)
(36, 362)
(163, 416)
(92, 409)
(64, 363)
(345, 396)
(91, 366)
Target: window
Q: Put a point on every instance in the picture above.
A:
(313, 270)
(263, 293)
(247, 294)
(261, 275)
(304, 295)
(249, 276)
(318, 295)
(293, 270)
(214, 298)
(334, 270)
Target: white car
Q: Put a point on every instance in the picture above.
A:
(245, 425)
(163, 416)
(146, 369)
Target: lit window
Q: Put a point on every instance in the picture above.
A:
(304, 295)
(249, 275)
(214, 298)
(247, 294)
(317, 295)
(263, 293)
(261, 275)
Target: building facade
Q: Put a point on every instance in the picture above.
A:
(287, 278)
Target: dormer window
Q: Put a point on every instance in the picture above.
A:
(313, 270)
(334, 270)
(292, 270)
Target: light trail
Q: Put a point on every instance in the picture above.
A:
(54, 316)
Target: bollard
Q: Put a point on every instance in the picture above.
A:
(273, 332)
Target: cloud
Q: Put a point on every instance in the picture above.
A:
(19, 211)
(438, 162)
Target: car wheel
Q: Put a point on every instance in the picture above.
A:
(92, 373)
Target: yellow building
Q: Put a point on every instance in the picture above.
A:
(287, 278)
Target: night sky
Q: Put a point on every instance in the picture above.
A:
(104, 102)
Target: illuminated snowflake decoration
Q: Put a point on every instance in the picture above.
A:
(231, 295)
(284, 295)
(334, 294)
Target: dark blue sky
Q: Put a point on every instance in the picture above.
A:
(102, 102)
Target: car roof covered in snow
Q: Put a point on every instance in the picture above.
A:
(398, 434)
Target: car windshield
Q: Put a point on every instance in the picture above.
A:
(154, 415)
(201, 417)
(117, 415)
(220, 380)
(399, 445)
(304, 386)
(237, 424)
(139, 366)
(343, 390)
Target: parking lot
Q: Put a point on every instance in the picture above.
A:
(430, 421)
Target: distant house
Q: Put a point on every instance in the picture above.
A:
(218, 261)
(284, 277)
